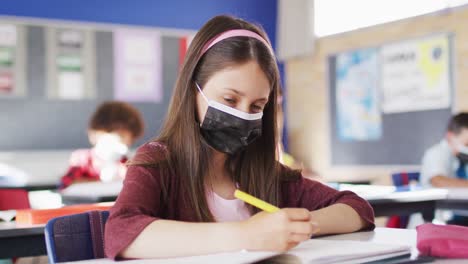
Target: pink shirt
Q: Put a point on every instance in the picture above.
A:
(225, 210)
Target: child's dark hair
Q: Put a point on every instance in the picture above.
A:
(458, 122)
(113, 115)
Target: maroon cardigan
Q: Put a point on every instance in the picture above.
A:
(139, 202)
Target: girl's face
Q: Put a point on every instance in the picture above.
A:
(244, 87)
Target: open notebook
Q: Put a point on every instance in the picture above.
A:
(312, 251)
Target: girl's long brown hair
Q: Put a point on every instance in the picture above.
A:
(255, 169)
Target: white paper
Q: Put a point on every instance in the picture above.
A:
(8, 35)
(312, 251)
(138, 66)
(139, 80)
(139, 50)
(71, 85)
(415, 75)
(333, 251)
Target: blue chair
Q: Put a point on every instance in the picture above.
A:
(76, 237)
(402, 180)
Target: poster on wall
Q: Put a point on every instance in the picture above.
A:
(357, 102)
(69, 64)
(184, 44)
(8, 42)
(138, 66)
(415, 75)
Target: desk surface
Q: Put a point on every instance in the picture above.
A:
(380, 235)
(404, 194)
(391, 236)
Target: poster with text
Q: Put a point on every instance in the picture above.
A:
(69, 61)
(138, 66)
(8, 41)
(416, 75)
(357, 104)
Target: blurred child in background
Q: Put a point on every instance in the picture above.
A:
(113, 128)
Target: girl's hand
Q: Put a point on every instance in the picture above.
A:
(279, 231)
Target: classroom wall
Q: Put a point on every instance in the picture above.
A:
(174, 14)
(307, 82)
(166, 15)
(182, 14)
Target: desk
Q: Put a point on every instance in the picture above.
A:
(457, 199)
(380, 235)
(21, 241)
(451, 204)
(391, 236)
(389, 200)
(406, 202)
(31, 187)
(91, 192)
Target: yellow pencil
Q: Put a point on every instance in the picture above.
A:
(255, 201)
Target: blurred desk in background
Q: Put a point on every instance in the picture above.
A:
(21, 240)
(91, 192)
(390, 200)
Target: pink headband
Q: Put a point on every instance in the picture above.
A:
(235, 33)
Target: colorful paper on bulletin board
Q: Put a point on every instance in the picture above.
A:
(69, 63)
(70, 39)
(416, 75)
(6, 82)
(8, 35)
(138, 66)
(70, 79)
(8, 41)
(357, 79)
(7, 56)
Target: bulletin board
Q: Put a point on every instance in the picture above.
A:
(39, 120)
(388, 104)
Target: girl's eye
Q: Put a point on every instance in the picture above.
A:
(229, 100)
(257, 108)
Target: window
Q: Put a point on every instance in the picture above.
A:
(337, 16)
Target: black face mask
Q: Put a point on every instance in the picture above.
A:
(227, 129)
